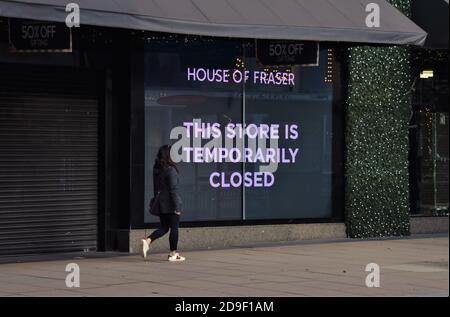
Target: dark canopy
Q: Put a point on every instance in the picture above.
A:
(319, 20)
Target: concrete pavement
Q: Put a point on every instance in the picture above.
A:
(416, 266)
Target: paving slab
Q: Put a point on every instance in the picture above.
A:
(414, 266)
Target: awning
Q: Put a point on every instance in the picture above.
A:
(318, 20)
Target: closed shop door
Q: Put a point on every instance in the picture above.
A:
(48, 160)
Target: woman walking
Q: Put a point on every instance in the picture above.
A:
(165, 182)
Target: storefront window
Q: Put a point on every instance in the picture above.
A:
(284, 171)
(171, 100)
(302, 187)
(429, 134)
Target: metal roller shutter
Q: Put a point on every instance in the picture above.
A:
(48, 160)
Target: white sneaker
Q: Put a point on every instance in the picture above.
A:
(144, 248)
(176, 258)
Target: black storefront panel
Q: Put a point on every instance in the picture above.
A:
(48, 160)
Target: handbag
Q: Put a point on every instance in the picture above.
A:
(154, 205)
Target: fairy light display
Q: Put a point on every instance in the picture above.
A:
(377, 117)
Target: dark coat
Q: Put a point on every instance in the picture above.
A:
(165, 181)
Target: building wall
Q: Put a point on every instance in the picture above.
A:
(425, 225)
(233, 236)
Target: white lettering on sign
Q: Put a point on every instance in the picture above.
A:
(213, 142)
(238, 76)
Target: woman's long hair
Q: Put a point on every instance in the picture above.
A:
(163, 159)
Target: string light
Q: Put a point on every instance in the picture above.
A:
(329, 70)
(378, 111)
(240, 63)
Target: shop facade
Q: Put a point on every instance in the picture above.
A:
(428, 155)
(80, 131)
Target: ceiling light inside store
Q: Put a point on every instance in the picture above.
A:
(426, 74)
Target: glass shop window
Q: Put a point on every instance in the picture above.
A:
(252, 139)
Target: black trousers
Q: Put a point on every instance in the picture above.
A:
(172, 222)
